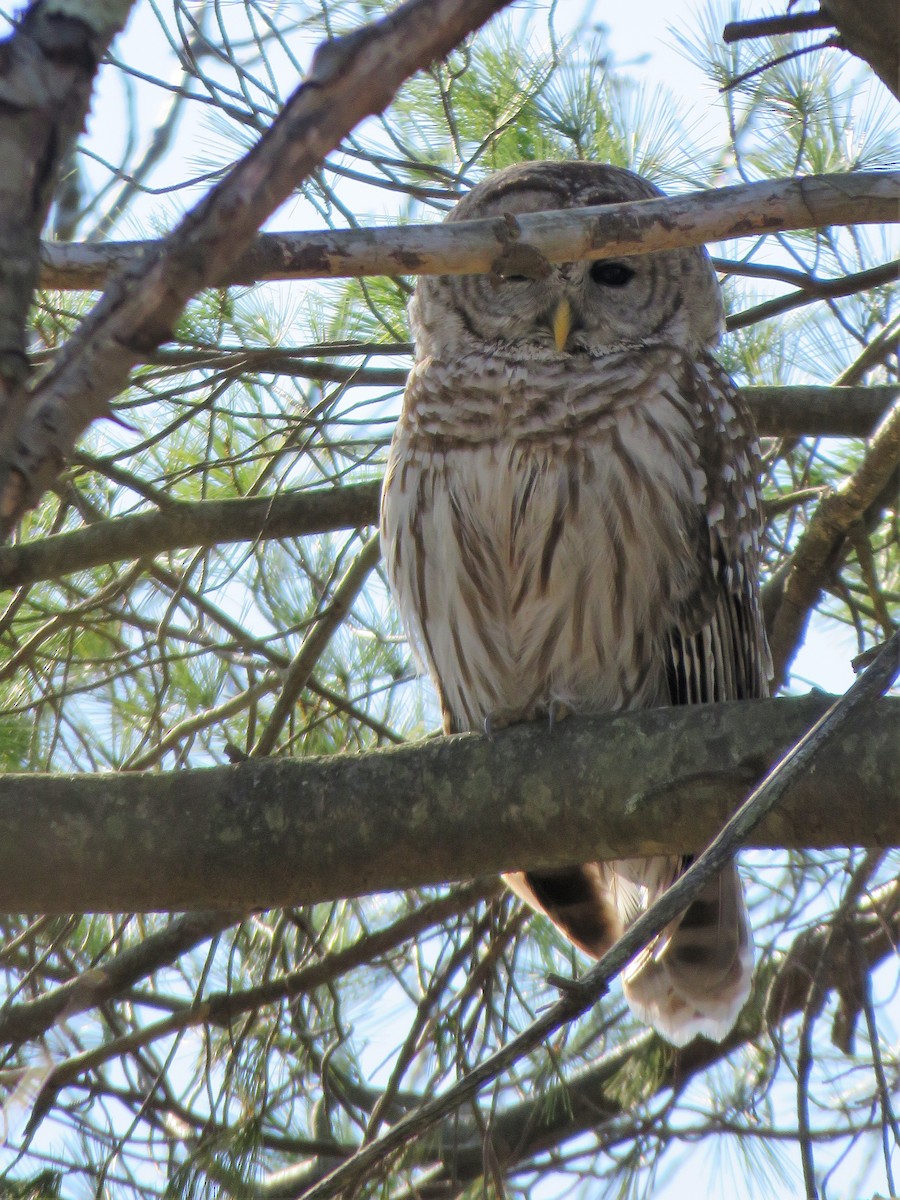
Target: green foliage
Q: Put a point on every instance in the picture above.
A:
(175, 657)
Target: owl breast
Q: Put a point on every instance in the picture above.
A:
(541, 533)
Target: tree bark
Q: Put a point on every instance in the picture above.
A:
(47, 70)
(872, 32)
(281, 832)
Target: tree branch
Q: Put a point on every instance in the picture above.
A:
(798, 586)
(187, 524)
(871, 31)
(47, 70)
(779, 412)
(283, 831)
(350, 78)
(471, 247)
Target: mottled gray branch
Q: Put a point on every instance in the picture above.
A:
(282, 831)
(470, 247)
(350, 78)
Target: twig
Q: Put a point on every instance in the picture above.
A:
(304, 662)
(739, 31)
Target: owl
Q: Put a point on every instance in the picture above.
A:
(571, 524)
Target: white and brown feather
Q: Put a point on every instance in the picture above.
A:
(579, 528)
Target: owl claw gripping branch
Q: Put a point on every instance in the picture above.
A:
(571, 522)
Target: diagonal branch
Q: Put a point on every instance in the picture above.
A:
(587, 1102)
(304, 661)
(805, 575)
(350, 78)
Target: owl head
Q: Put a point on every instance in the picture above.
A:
(670, 297)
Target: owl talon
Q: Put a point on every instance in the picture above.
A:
(502, 718)
(557, 711)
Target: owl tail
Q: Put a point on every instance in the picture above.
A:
(695, 977)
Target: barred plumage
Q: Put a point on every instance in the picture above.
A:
(570, 521)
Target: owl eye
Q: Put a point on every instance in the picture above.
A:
(611, 274)
(516, 279)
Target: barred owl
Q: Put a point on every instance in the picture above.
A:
(570, 522)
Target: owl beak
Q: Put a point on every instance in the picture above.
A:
(562, 324)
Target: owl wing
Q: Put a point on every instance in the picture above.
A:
(696, 976)
(717, 648)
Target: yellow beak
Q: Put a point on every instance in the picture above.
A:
(562, 324)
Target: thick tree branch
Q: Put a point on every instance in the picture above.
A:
(284, 831)
(471, 247)
(872, 32)
(350, 78)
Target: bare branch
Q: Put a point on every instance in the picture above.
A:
(282, 831)
(470, 247)
(802, 22)
(804, 577)
(813, 289)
